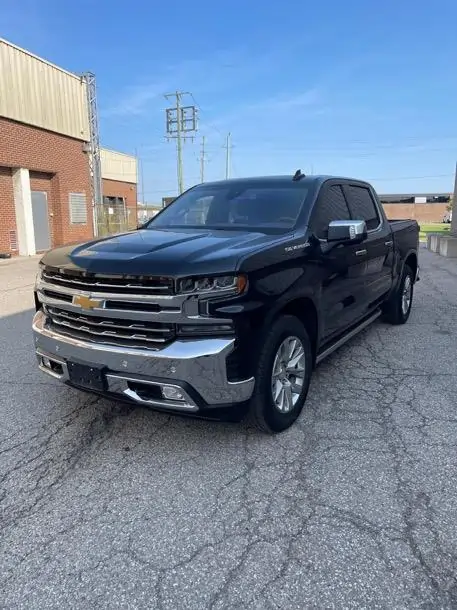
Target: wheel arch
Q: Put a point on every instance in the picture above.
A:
(303, 308)
(411, 260)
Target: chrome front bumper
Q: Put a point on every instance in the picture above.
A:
(197, 368)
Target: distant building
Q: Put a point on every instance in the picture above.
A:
(423, 207)
(416, 198)
(167, 200)
(119, 188)
(147, 210)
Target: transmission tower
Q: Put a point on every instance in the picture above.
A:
(181, 120)
(94, 146)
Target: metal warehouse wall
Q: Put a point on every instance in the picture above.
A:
(118, 166)
(37, 93)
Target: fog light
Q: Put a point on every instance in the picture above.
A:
(172, 393)
(46, 362)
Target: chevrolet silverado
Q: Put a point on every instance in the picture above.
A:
(228, 298)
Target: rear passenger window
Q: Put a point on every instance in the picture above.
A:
(362, 206)
(330, 206)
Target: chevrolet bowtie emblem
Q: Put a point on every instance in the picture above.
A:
(86, 302)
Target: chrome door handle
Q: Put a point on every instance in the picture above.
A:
(360, 252)
(388, 243)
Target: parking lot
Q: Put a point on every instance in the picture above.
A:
(112, 506)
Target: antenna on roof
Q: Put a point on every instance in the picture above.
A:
(298, 175)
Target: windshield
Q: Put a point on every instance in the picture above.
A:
(228, 206)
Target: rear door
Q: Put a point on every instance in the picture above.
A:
(377, 250)
(340, 269)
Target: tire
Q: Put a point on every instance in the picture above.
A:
(265, 414)
(397, 310)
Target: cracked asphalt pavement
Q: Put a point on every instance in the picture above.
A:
(111, 506)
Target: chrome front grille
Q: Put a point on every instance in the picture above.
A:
(119, 310)
(116, 331)
(146, 285)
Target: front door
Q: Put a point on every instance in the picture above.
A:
(341, 269)
(41, 221)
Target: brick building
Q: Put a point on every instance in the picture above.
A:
(423, 207)
(119, 177)
(45, 188)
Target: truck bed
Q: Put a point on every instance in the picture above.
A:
(405, 234)
(397, 224)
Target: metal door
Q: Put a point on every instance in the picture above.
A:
(41, 221)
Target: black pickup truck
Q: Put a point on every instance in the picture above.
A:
(228, 298)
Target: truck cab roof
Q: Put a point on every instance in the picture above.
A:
(308, 181)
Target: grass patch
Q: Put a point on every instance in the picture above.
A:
(432, 228)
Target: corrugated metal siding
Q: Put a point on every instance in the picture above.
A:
(35, 92)
(118, 166)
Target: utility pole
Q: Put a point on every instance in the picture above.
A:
(142, 186)
(228, 148)
(454, 207)
(202, 161)
(178, 143)
(180, 120)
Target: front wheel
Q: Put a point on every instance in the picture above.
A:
(398, 308)
(283, 375)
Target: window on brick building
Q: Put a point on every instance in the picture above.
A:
(113, 201)
(78, 208)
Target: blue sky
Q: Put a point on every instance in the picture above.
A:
(350, 88)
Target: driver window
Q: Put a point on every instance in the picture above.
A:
(331, 205)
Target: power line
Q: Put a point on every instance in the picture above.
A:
(154, 191)
(204, 112)
(371, 151)
(227, 138)
(410, 177)
(418, 139)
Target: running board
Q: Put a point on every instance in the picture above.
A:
(352, 333)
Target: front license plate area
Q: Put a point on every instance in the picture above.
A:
(86, 376)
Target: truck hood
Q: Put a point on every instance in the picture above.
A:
(162, 251)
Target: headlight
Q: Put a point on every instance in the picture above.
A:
(40, 273)
(230, 284)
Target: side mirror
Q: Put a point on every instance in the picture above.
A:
(347, 231)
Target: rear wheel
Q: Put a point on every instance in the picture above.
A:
(283, 375)
(398, 308)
